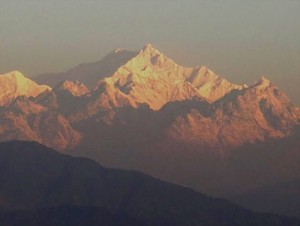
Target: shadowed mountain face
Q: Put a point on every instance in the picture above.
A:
(89, 73)
(33, 176)
(26, 120)
(183, 125)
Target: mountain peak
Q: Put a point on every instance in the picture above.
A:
(153, 78)
(15, 74)
(14, 84)
(75, 87)
(262, 83)
(263, 79)
(148, 46)
(148, 49)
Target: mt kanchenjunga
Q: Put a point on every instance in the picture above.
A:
(181, 124)
(152, 78)
(148, 77)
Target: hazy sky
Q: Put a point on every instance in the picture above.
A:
(238, 39)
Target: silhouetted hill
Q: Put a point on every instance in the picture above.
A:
(33, 177)
(282, 198)
(68, 216)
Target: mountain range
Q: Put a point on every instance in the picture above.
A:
(40, 186)
(142, 111)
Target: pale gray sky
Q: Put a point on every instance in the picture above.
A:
(238, 39)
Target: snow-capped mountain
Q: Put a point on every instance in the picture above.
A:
(14, 84)
(181, 124)
(154, 79)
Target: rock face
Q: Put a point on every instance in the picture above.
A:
(185, 125)
(15, 84)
